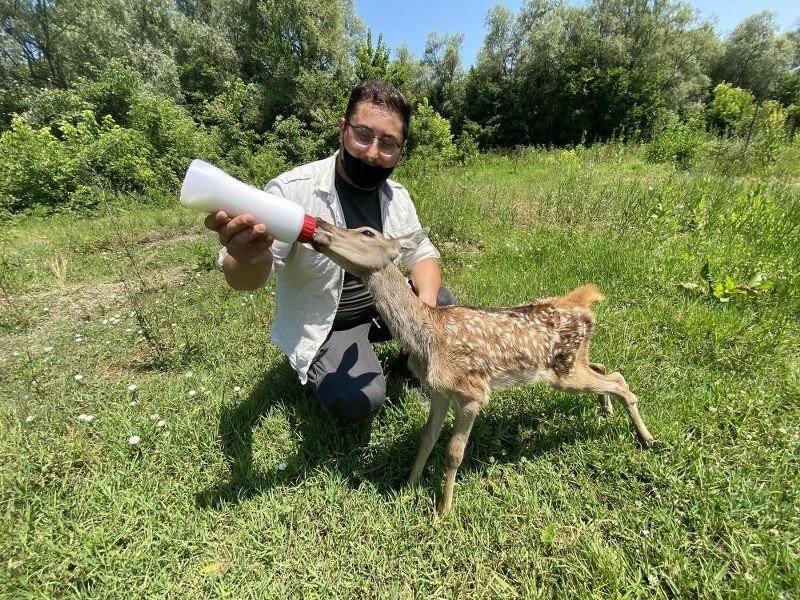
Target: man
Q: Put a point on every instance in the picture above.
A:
(325, 320)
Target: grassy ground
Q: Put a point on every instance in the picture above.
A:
(240, 487)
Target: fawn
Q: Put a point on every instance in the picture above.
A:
(460, 354)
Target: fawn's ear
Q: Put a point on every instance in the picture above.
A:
(412, 240)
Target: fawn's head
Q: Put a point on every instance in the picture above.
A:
(363, 250)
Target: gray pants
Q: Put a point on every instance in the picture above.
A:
(346, 375)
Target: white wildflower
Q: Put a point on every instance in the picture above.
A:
(154, 417)
(161, 423)
(134, 440)
(78, 377)
(132, 387)
(236, 389)
(84, 418)
(29, 418)
(189, 374)
(48, 348)
(192, 393)
(282, 466)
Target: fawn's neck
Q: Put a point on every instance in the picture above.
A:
(400, 308)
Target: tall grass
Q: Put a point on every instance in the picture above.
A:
(240, 487)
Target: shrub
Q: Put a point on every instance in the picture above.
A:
(120, 157)
(51, 107)
(261, 166)
(173, 136)
(293, 141)
(679, 143)
(36, 170)
(430, 139)
(113, 92)
(730, 108)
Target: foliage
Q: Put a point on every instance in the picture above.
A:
(37, 170)
(730, 108)
(755, 56)
(726, 289)
(293, 141)
(430, 141)
(679, 143)
(253, 85)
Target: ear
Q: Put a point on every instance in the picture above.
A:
(412, 240)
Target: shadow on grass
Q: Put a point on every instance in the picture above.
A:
(546, 422)
(324, 441)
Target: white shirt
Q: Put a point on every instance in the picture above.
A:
(309, 284)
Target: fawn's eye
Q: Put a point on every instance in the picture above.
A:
(368, 233)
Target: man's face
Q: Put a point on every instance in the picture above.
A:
(384, 123)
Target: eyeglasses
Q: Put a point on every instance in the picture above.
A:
(387, 145)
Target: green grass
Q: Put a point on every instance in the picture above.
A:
(255, 492)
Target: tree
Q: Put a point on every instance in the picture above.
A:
(445, 75)
(755, 55)
(277, 40)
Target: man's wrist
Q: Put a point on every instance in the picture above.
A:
(242, 276)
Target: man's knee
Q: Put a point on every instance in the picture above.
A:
(445, 297)
(354, 399)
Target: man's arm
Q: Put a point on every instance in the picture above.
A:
(427, 279)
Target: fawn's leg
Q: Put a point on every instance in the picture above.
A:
(433, 427)
(465, 413)
(630, 400)
(585, 379)
(605, 399)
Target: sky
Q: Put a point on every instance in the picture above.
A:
(410, 21)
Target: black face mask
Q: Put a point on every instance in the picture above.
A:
(362, 174)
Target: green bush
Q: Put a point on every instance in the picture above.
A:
(36, 169)
(293, 141)
(113, 92)
(769, 135)
(679, 143)
(172, 134)
(51, 107)
(730, 109)
(430, 140)
(263, 165)
(118, 157)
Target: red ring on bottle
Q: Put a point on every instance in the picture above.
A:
(308, 229)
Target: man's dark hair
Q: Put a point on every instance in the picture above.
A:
(383, 94)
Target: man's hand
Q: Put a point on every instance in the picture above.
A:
(249, 246)
(247, 241)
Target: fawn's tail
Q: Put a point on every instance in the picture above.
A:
(582, 296)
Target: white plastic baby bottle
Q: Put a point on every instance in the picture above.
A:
(207, 188)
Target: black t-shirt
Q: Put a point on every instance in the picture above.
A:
(360, 208)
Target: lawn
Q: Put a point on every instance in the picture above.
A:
(153, 443)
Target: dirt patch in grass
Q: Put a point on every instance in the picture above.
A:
(37, 314)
